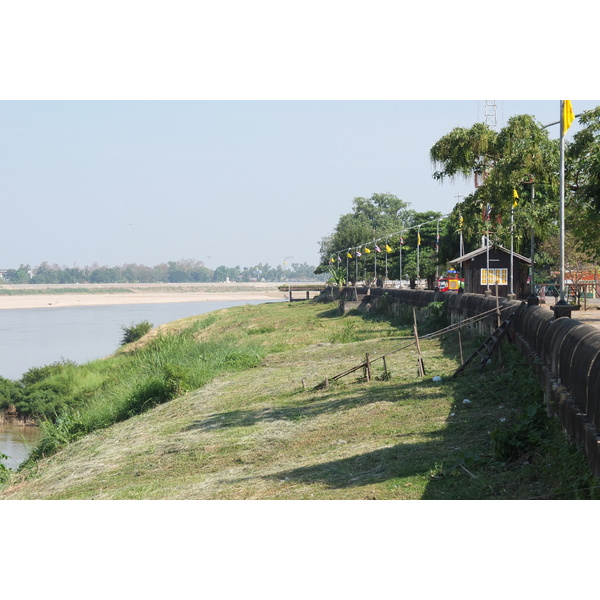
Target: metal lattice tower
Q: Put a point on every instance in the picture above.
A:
(491, 114)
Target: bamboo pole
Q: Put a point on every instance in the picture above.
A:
(420, 358)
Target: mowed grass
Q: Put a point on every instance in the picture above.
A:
(270, 432)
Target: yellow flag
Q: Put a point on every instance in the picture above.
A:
(515, 198)
(387, 248)
(568, 115)
(460, 222)
(367, 250)
(349, 255)
(418, 239)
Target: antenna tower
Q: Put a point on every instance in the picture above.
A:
(490, 119)
(491, 113)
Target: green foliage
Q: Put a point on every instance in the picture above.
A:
(155, 389)
(527, 434)
(181, 271)
(346, 334)
(337, 276)
(45, 391)
(370, 218)
(10, 393)
(72, 400)
(521, 153)
(55, 434)
(436, 317)
(135, 332)
(4, 470)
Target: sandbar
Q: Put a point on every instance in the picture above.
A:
(56, 296)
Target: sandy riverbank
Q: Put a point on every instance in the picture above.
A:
(53, 296)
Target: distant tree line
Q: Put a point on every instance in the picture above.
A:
(181, 271)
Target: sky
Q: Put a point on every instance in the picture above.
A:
(237, 133)
(231, 182)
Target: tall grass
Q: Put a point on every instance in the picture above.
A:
(108, 391)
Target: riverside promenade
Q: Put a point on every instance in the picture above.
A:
(590, 316)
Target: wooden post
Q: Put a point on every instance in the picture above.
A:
(420, 358)
(368, 369)
(385, 371)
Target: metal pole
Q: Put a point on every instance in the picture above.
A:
(487, 246)
(401, 244)
(386, 259)
(437, 252)
(418, 249)
(347, 271)
(512, 235)
(562, 208)
(532, 294)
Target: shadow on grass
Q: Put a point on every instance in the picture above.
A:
(400, 461)
(310, 408)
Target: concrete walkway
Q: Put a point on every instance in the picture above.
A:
(590, 316)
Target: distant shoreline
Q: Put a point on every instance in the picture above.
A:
(68, 295)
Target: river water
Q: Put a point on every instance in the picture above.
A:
(35, 337)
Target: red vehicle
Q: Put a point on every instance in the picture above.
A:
(450, 282)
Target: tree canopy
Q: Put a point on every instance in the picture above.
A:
(516, 174)
(386, 222)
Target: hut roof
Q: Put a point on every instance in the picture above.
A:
(482, 250)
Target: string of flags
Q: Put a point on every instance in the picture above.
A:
(356, 251)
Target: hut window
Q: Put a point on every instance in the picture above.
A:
(493, 276)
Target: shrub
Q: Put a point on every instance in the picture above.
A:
(528, 434)
(135, 331)
(156, 389)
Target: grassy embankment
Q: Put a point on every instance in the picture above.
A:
(225, 415)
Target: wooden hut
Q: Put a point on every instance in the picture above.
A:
(481, 270)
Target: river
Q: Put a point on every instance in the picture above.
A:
(35, 337)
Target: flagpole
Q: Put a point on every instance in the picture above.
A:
(418, 248)
(400, 252)
(487, 247)
(562, 204)
(437, 253)
(347, 271)
(512, 235)
(386, 259)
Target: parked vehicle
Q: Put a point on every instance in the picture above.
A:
(450, 282)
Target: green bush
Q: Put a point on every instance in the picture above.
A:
(10, 393)
(4, 470)
(156, 389)
(135, 331)
(528, 434)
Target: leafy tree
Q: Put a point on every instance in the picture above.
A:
(520, 156)
(582, 173)
(20, 275)
(371, 219)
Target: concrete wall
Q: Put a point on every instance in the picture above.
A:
(564, 353)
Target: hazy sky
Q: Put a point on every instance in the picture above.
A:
(226, 182)
(237, 133)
